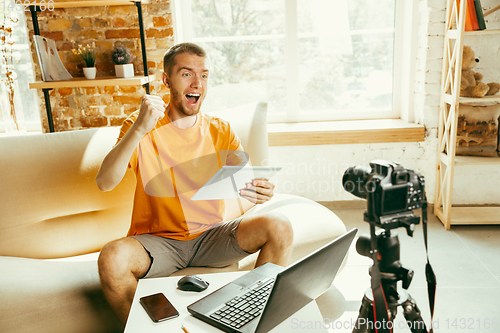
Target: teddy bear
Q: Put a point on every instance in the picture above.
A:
(471, 85)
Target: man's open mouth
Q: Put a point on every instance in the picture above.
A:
(193, 98)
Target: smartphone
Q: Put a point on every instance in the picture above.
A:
(158, 307)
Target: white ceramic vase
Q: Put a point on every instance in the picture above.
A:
(89, 72)
(126, 70)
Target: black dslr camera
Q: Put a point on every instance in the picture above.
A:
(391, 190)
(392, 193)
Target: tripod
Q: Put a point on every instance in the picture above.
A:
(392, 193)
(391, 271)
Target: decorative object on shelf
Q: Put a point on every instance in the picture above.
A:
(51, 65)
(471, 85)
(89, 72)
(477, 130)
(123, 62)
(12, 111)
(125, 70)
(88, 54)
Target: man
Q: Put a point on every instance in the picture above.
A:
(168, 147)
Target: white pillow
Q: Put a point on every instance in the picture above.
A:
(250, 124)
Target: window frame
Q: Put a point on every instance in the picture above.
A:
(405, 29)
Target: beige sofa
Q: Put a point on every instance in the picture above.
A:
(54, 220)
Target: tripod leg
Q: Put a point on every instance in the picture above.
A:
(364, 323)
(412, 315)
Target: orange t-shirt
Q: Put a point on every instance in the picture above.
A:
(170, 165)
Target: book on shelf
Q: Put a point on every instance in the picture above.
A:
(471, 23)
(51, 65)
(472, 14)
(479, 14)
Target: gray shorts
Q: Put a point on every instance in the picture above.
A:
(216, 247)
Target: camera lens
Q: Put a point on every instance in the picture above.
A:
(348, 184)
(354, 180)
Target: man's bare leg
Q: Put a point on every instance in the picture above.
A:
(121, 263)
(272, 234)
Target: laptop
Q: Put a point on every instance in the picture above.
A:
(228, 180)
(264, 297)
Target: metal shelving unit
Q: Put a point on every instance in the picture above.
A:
(102, 81)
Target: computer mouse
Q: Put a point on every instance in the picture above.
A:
(192, 283)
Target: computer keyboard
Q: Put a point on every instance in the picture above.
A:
(242, 309)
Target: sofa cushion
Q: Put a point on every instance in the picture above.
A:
(53, 296)
(249, 121)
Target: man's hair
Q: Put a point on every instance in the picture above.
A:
(169, 57)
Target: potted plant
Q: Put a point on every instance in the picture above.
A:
(88, 54)
(123, 62)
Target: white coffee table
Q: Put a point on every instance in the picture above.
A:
(140, 322)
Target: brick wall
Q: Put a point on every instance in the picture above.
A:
(106, 27)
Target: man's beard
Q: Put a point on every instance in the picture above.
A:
(178, 99)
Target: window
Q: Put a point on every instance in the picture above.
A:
(311, 60)
(19, 55)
